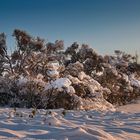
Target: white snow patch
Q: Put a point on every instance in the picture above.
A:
(53, 73)
(134, 82)
(22, 80)
(59, 83)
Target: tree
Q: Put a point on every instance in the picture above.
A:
(4, 57)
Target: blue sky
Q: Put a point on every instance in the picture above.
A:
(106, 25)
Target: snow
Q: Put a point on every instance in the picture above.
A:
(82, 75)
(114, 71)
(134, 82)
(53, 73)
(40, 76)
(99, 73)
(22, 80)
(125, 77)
(71, 90)
(59, 83)
(21, 124)
(74, 80)
(53, 66)
(131, 108)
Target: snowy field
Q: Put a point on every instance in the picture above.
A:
(26, 124)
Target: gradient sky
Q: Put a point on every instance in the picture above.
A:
(106, 25)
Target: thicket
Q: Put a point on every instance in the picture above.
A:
(46, 75)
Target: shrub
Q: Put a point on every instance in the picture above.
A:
(41, 74)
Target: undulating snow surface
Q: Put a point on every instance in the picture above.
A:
(123, 124)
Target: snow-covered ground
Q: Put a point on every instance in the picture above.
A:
(123, 124)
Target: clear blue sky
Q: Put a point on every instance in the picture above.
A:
(105, 25)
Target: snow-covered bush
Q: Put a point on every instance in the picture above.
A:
(42, 74)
